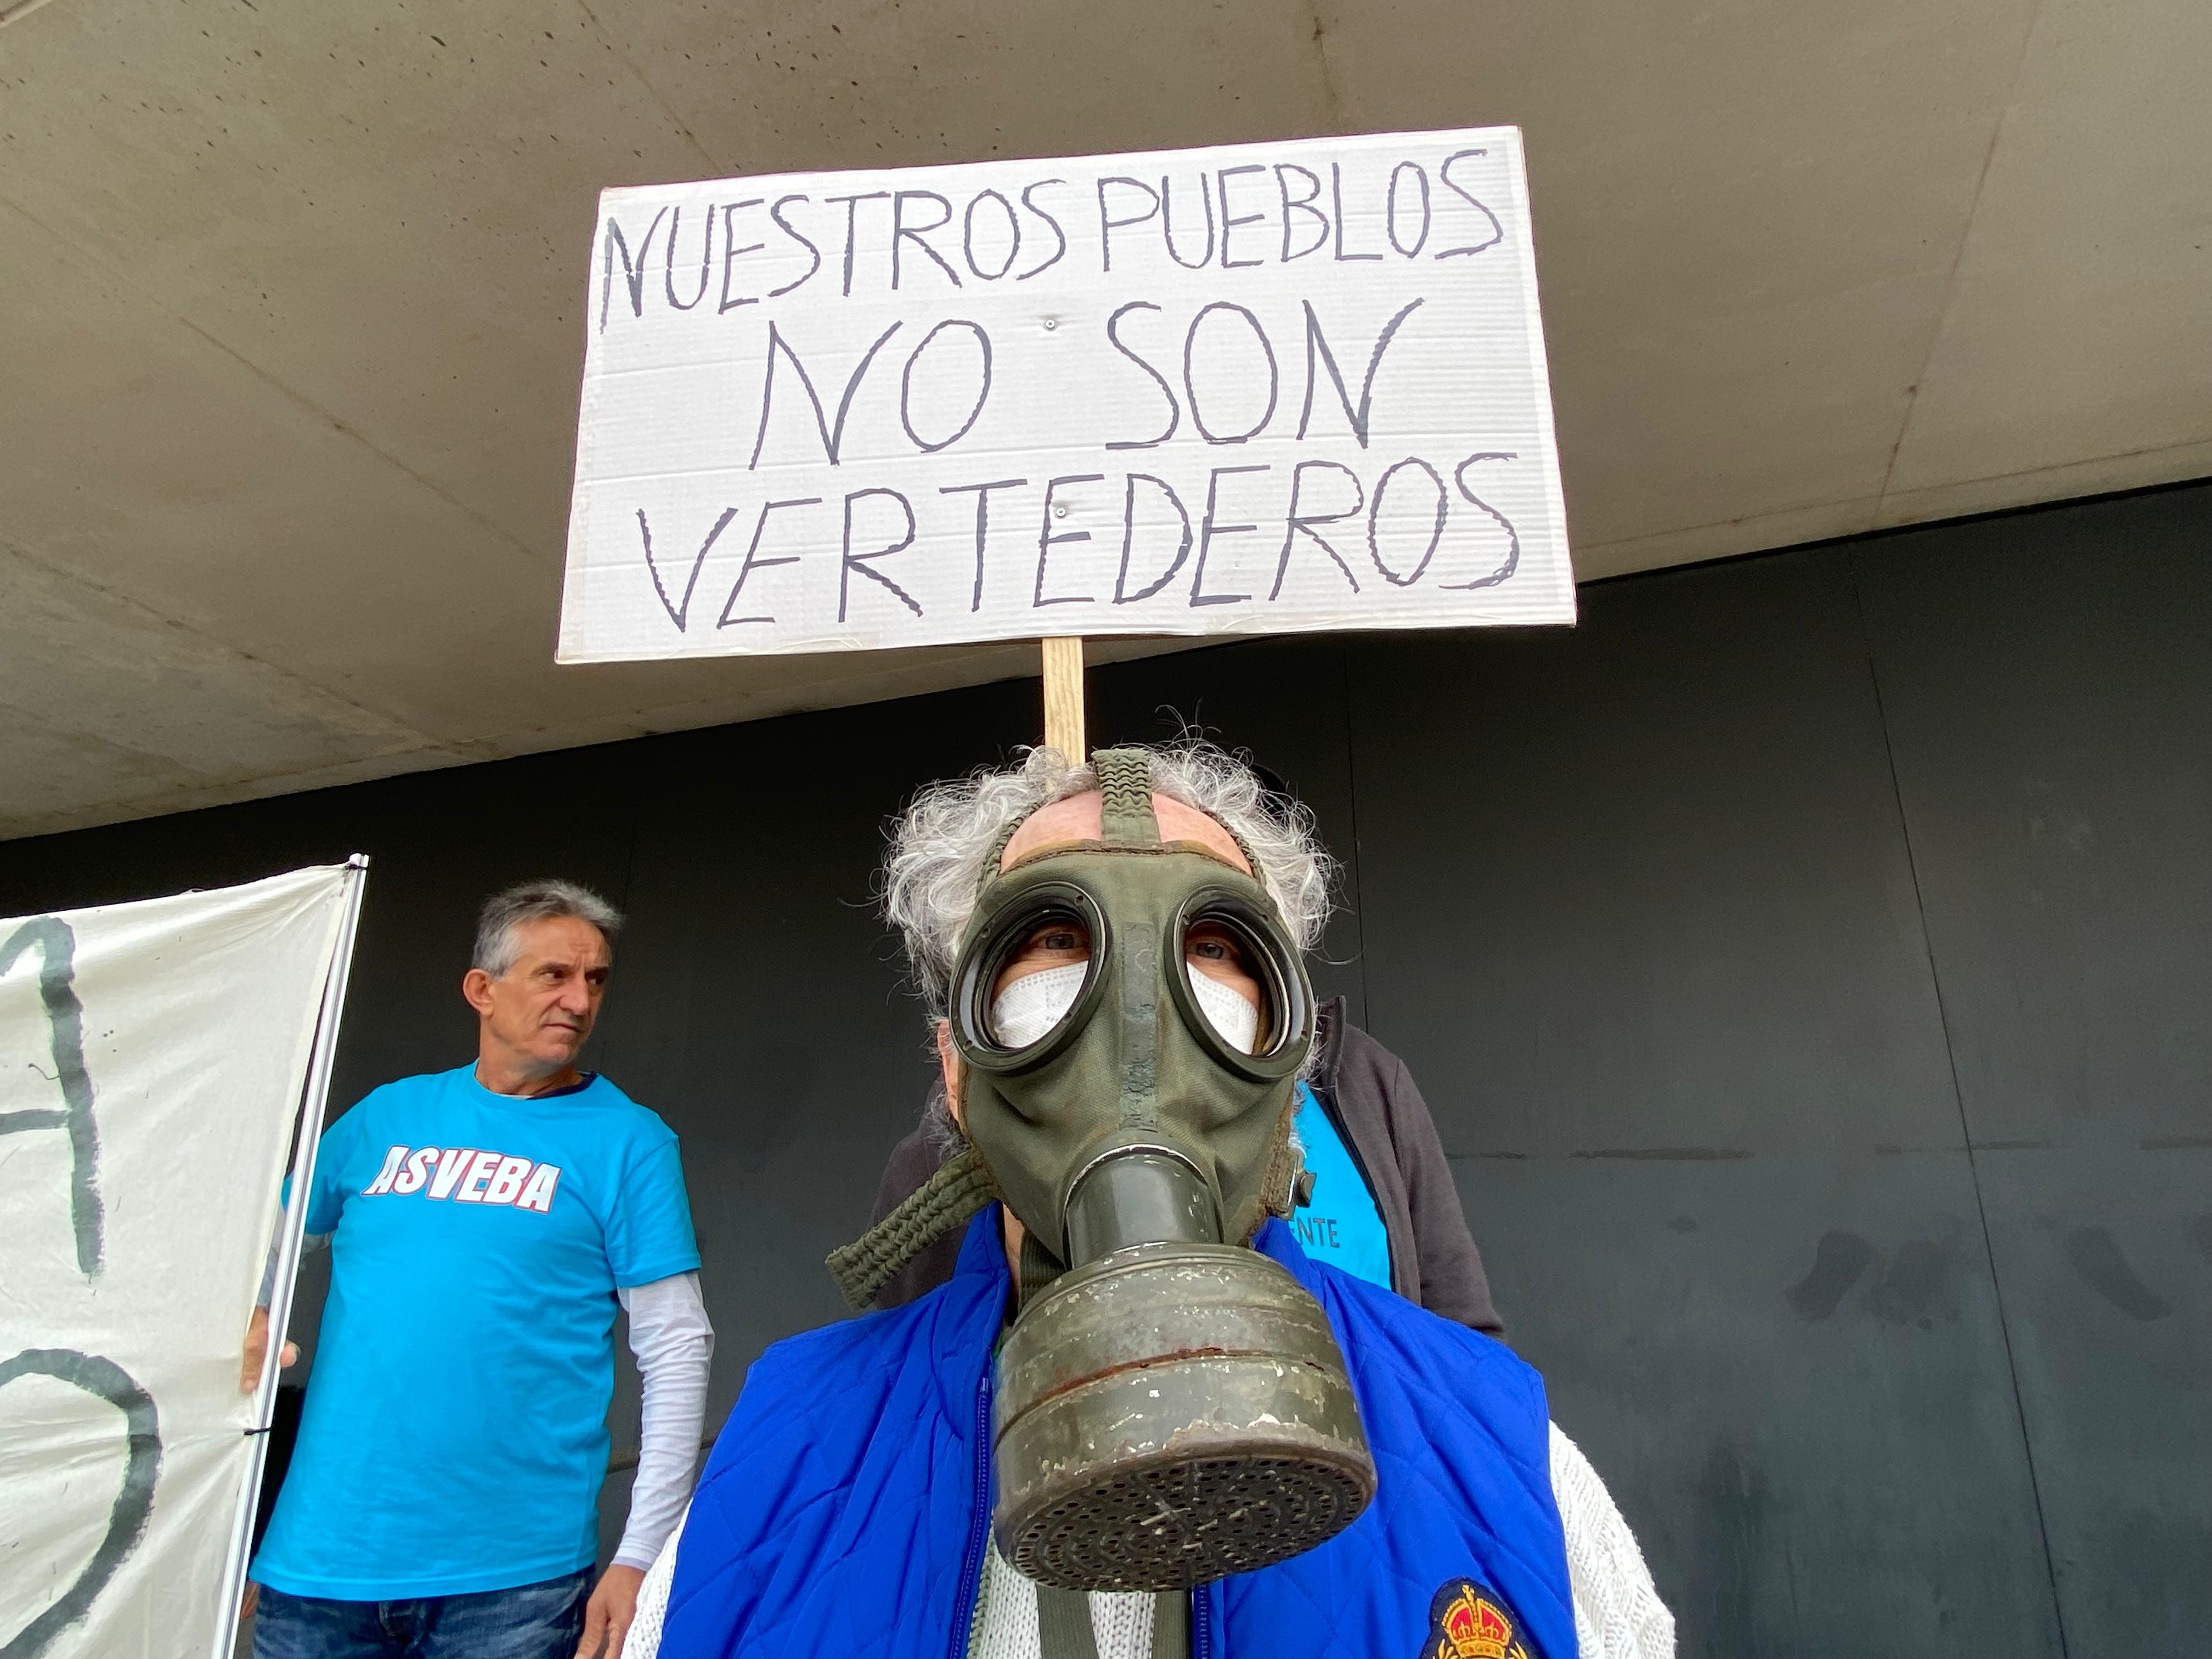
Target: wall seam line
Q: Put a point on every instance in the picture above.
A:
(1352, 864)
(1959, 1100)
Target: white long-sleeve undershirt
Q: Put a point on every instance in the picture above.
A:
(674, 1345)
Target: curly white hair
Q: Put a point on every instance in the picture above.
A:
(934, 871)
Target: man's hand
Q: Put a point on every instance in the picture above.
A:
(257, 1352)
(608, 1613)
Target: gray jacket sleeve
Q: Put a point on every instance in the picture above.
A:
(1433, 1256)
(1453, 1282)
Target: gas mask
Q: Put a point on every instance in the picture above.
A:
(1171, 1405)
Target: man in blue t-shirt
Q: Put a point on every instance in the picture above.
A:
(485, 1223)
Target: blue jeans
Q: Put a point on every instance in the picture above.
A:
(531, 1621)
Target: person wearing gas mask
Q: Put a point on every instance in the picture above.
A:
(1138, 1422)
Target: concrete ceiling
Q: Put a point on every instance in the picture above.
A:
(289, 335)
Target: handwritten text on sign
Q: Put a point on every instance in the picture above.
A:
(1251, 389)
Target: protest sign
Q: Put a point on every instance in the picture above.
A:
(153, 1061)
(1247, 389)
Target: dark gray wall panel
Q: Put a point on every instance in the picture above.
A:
(2047, 679)
(1643, 885)
(1790, 1371)
(1285, 702)
(2105, 1262)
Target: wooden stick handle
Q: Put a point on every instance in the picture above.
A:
(1063, 698)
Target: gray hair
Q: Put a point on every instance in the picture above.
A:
(934, 871)
(505, 912)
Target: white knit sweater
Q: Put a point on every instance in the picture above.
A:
(1618, 1612)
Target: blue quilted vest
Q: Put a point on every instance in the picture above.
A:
(846, 1505)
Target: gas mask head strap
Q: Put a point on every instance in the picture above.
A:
(1127, 818)
(948, 1200)
(1125, 798)
(1125, 795)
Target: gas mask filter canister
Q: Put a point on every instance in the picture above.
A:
(1172, 1406)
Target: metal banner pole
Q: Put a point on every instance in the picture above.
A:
(315, 1099)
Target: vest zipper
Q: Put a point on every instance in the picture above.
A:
(971, 1568)
(1201, 1625)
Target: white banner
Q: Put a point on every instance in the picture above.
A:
(1248, 389)
(153, 1061)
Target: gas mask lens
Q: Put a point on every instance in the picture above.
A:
(1222, 982)
(1036, 974)
(1245, 986)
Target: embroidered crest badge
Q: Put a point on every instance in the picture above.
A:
(1468, 1620)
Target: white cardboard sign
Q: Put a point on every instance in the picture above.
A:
(1247, 389)
(153, 1059)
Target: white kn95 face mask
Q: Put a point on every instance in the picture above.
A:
(1029, 1007)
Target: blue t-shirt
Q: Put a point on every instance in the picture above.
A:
(454, 1437)
(1341, 1226)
